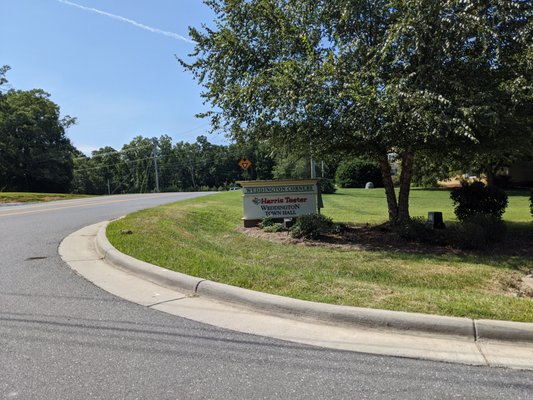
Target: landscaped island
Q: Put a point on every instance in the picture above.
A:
(203, 237)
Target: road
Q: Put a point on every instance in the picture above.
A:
(63, 338)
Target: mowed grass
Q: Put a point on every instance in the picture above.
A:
(199, 238)
(23, 197)
(361, 206)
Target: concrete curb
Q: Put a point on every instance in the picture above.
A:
(343, 315)
(150, 272)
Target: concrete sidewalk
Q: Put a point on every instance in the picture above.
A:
(459, 340)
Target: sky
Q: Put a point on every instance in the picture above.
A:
(109, 63)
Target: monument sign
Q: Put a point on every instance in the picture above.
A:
(279, 199)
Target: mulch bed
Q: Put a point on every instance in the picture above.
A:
(383, 238)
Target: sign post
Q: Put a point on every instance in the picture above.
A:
(280, 199)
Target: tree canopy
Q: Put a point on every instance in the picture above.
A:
(361, 77)
(35, 154)
(181, 166)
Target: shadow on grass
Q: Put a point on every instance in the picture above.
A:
(514, 253)
(519, 193)
(433, 189)
(511, 262)
(520, 226)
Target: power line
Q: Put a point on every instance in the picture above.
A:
(142, 147)
(113, 152)
(196, 163)
(112, 165)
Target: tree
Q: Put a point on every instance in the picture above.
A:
(35, 154)
(137, 165)
(291, 167)
(3, 80)
(364, 77)
(261, 156)
(3, 133)
(356, 173)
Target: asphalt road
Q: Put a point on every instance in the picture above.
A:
(63, 338)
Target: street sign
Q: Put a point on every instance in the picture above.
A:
(245, 163)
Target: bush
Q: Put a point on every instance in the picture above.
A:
(476, 198)
(356, 173)
(327, 186)
(277, 227)
(169, 189)
(266, 221)
(311, 226)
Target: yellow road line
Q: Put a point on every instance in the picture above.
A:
(8, 214)
(88, 200)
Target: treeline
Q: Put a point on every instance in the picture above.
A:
(37, 156)
(151, 164)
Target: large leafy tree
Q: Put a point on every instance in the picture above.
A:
(379, 78)
(35, 154)
(3, 114)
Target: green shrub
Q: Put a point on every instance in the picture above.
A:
(266, 221)
(338, 228)
(327, 186)
(356, 173)
(168, 189)
(311, 226)
(476, 198)
(277, 227)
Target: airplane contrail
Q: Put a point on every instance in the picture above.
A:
(129, 21)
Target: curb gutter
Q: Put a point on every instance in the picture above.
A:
(336, 314)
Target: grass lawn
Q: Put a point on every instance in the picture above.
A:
(23, 197)
(369, 206)
(199, 238)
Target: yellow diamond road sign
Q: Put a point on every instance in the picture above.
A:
(245, 163)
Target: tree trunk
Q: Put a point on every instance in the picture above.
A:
(405, 187)
(490, 175)
(389, 187)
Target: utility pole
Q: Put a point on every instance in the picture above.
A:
(313, 165)
(191, 170)
(108, 187)
(154, 154)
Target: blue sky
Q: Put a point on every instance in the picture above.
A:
(119, 79)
